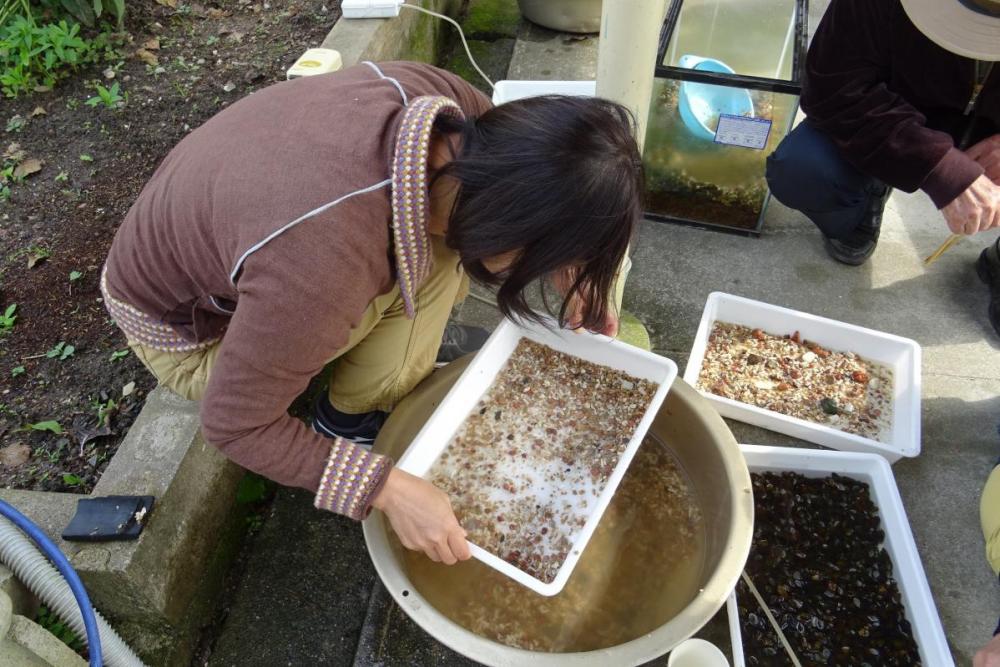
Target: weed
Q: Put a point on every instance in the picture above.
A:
(33, 54)
(17, 370)
(8, 318)
(50, 622)
(111, 98)
(70, 479)
(50, 426)
(62, 177)
(61, 351)
(16, 123)
(74, 276)
(119, 354)
(85, 158)
(104, 411)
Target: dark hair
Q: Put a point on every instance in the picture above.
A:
(557, 179)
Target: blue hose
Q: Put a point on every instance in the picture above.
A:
(53, 553)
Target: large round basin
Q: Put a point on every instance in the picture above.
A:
(719, 482)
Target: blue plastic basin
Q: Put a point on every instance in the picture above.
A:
(701, 104)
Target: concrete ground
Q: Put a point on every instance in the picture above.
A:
(310, 595)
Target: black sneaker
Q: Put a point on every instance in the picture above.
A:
(855, 248)
(988, 268)
(361, 429)
(459, 340)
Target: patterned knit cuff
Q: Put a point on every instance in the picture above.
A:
(351, 480)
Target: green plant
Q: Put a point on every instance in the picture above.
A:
(17, 370)
(33, 54)
(50, 426)
(62, 351)
(62, 176)
(119, 354)
(51, 622)
(16, 123)
(85, 158)
(74, 276)
(71, 480)
(109, 97)
(88, 11)
(104, 410)
(8, 318)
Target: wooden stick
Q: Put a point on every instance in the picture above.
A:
(933, 257)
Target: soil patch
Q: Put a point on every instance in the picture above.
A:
(195, 60)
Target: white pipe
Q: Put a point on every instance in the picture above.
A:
(626, 55)
(29, 565)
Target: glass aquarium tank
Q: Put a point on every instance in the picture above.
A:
(728, 79)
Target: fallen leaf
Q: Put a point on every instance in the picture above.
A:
(35, 258)
(84, 433)
(42, 89)
(38, 111)
(27, 168)
(152, 44)
(215, 13)
(236, 36)
(14, 153)
(168, 3)
(15, 455)
(147, 57)
(128, 389)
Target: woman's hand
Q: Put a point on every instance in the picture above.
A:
(987, 154)
(975, 210)
(575, 308)
(422, 517)
(989, 655)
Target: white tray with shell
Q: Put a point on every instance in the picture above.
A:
(528, 450)
(898, 357)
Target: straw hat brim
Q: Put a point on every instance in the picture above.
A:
(956, 27)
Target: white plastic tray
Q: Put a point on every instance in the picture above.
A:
(907, 569)
(476, 380)
(902, 355)
(508, 91)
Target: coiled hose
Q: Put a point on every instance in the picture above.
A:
(32, 567)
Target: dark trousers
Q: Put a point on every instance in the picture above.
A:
(807, 173)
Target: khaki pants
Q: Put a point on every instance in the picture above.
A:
(385, 357)
(989, 512)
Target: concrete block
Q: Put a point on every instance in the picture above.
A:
(158, 589)
(24, 603)
(43, 644)
(412, 35)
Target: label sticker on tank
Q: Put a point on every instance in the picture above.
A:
(743, 131)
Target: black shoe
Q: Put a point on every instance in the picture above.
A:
(361, 429)
(988, 268)
(458, 341)
(855, 248)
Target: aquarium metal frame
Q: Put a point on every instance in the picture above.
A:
(792, 86)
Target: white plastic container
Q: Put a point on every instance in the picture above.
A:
(508, 91)
(315, 61)
(477, 379)
(902, 355)
(907, 569)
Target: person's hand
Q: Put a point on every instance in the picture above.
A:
(422, 517)
(987, 154)
(975, 210)
(989, 655)
(575, 309)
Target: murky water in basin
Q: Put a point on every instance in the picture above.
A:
(642, 566)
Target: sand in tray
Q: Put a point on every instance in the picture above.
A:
(526, 468)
